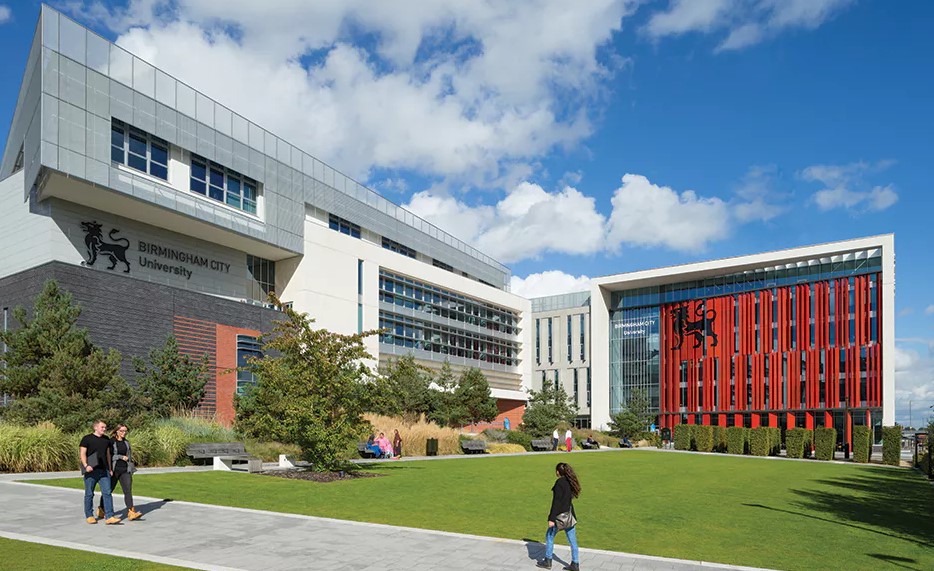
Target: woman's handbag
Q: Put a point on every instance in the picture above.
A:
(565, 521)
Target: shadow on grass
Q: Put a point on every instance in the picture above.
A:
(896, 561)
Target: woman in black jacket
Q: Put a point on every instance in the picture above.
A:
(566, 488)
(120, 460)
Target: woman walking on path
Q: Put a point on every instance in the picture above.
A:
(566, 488)
(397, 444)
(120, 460)
(568, 439)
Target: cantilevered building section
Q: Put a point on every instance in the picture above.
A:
(801, 337)
(164, 211)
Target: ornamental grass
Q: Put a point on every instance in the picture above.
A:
(415, 435)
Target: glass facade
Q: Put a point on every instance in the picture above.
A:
(634, 356)
(262, 277)
(247, 347)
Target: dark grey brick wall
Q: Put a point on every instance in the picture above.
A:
(130, 315)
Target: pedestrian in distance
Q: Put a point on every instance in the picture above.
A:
(554, 439)
(562, 516)
(397, 444)
(92, 454)
(120, 460)
(568, 439)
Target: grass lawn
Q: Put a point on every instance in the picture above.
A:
(739, 510)
(37, 557)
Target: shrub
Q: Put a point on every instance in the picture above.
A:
(199, 429)
(683, 435)
(703, 438)
(518, 437)
(736, 440)
(796, 440)
(862, 443)
(503, 448)
(416, 435)
(719, 439)
(760, 441)
(162, 444)
(650, 439)
(270, 451)
(495, 435)
(776, 440)
(891, 444)
(40, 448)
(825, 439)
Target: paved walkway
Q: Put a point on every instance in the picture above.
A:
(220, 538)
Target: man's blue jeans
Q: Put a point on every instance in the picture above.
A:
(572, 539)
(98, 476)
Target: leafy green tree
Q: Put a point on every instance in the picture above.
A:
(171, 381)
(473, 402)
(445, 409)
(546, 409)
(635, 418)
(311, 390)
(403, 389)
(55, 373)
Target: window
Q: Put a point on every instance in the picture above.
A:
(538, 340)
(442, 265)
(223, 185)
(262, 277)
(343, 226)
(398, 248)
(583, 355)
(569, 340)
(20, 160)
(550, 342)
(247, 347)
(576, 388)
(359, 277)
(588, 387)
(139, 150)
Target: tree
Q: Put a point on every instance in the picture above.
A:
(473, 402)
(546, 409)
(55, 373)
(635, 418)
(445, 409)
(403, 389)
(172, 381)
(311, 390)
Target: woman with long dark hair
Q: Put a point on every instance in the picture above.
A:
(566, 488)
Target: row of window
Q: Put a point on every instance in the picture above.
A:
(149, 154)
(413, 333)
(550, 339)
(343, 226)
(555, 382)
(398, 248)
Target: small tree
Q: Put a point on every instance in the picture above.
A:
(445, 409)
(55, 373)
(635, 418)
(546, 409)
(473, 399)
(403, 389)
(311, 390)
(171, 381)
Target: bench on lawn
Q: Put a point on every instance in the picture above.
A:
(473, 446)
(365, 451)
(541, 444)
(224, 454)
(585, 446)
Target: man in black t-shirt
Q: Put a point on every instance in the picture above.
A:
(92, 454)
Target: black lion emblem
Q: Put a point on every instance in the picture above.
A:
(683, 326)
(98, 247)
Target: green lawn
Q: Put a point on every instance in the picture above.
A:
(37, 557)
(740, 510)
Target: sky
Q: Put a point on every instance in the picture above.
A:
(577, 139)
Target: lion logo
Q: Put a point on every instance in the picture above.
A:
(683, 326)
(94, 240)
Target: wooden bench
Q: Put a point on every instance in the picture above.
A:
(224, 454)
(473, 446)
(541, 444)
(365, 451)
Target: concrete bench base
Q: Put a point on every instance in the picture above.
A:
(225, 463)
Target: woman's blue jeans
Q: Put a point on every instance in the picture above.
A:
(572, 539)
(98, 476)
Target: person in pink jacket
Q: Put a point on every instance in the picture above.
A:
(385, 446)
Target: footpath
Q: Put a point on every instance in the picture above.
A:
(217, 538)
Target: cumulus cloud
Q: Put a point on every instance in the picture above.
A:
(929, 310)
(745, 22)
(845, 187)
(651, 215)
(914, 379)
(464, 89)
(551, 282)
(755, 197)
(5, 14)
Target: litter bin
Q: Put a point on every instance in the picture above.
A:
(431, 447)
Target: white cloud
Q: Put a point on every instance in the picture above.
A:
(914, 379)
(5, 14)
(756, 200)
(651, 215)
(551, 282)
(746, 22)
(906, 311)
(929, 310)
(463, 89)
(843, 184)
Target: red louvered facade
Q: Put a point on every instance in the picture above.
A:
(804, 355)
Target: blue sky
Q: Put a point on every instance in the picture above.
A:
(573, 140)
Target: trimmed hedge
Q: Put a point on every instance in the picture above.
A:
(891, 445)
(825, 440)
(736, 440)
(862, 444)
(684, 436)
(760, 441)
(703, 438)
(796, 440)
(719, 439)
(776, 441)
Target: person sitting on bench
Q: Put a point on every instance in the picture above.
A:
(591, 443)
(373, 447)
(385, 446)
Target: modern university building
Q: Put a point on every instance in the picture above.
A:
(794, 338)
(164, 212)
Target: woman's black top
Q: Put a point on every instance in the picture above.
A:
(560, 499)
(121, 465)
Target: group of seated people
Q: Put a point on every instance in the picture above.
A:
(380, 446)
